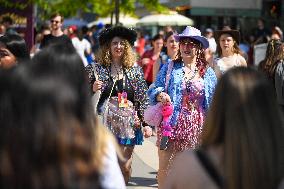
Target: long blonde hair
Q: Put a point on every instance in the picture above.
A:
(104, 56)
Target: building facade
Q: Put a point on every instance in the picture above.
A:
(241, 14)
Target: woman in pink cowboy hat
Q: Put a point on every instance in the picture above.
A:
(228, 51)
(191, 83)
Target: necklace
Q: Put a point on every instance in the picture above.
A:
(119, 71)
(190, 75)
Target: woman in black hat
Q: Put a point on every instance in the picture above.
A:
(116, 76)
(228, 51)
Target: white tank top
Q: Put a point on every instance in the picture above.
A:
(223, 67)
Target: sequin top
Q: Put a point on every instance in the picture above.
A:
(186, 134)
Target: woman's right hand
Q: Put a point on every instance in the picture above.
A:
(97, 85)
(164, 98)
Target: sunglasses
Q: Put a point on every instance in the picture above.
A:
(55, 21)
(115, 43)
(189, 43)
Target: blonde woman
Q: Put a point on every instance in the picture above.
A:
(228, 51)
(117, 75)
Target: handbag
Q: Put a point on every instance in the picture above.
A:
(153, 113)
(121, 121)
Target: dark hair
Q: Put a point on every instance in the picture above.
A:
(62, 60)
(43, 144)
(7, 19)
(16, 45)
(169, 34)
(44, 27)
(157, 36)
(245, 120)
(57, 14)
(85, 29)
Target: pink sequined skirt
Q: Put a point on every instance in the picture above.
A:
(187, 132)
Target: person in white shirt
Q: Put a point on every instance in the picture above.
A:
(82, 46)
(209, 34)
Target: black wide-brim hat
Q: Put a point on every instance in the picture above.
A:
(118, 31)
(234, 33)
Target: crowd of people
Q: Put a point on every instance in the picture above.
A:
(71, 116)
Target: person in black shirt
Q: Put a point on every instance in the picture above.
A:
(57, 35)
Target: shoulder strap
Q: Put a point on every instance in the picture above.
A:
(168, 76)
(95, 71)
(97, 94)
(209, 167)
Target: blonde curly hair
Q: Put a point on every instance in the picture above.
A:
(104, 56)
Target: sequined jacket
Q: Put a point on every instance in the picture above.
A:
(134, 75)
(175, 87)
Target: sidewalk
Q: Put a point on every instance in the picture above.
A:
(145, 166)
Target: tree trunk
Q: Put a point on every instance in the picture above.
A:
(116, 12)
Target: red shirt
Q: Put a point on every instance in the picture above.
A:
(148, 68)
(140, 46)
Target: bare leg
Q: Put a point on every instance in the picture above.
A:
(125, 166)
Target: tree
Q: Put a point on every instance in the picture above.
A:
(102, 8)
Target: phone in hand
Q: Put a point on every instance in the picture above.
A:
(164, 143)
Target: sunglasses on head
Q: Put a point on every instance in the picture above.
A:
(54, 21)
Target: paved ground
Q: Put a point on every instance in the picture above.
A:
(145, 166)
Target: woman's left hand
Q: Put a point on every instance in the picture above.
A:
(147, 131)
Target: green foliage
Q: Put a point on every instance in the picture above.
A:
(70, 8)
(154, 5)
(9, 4)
